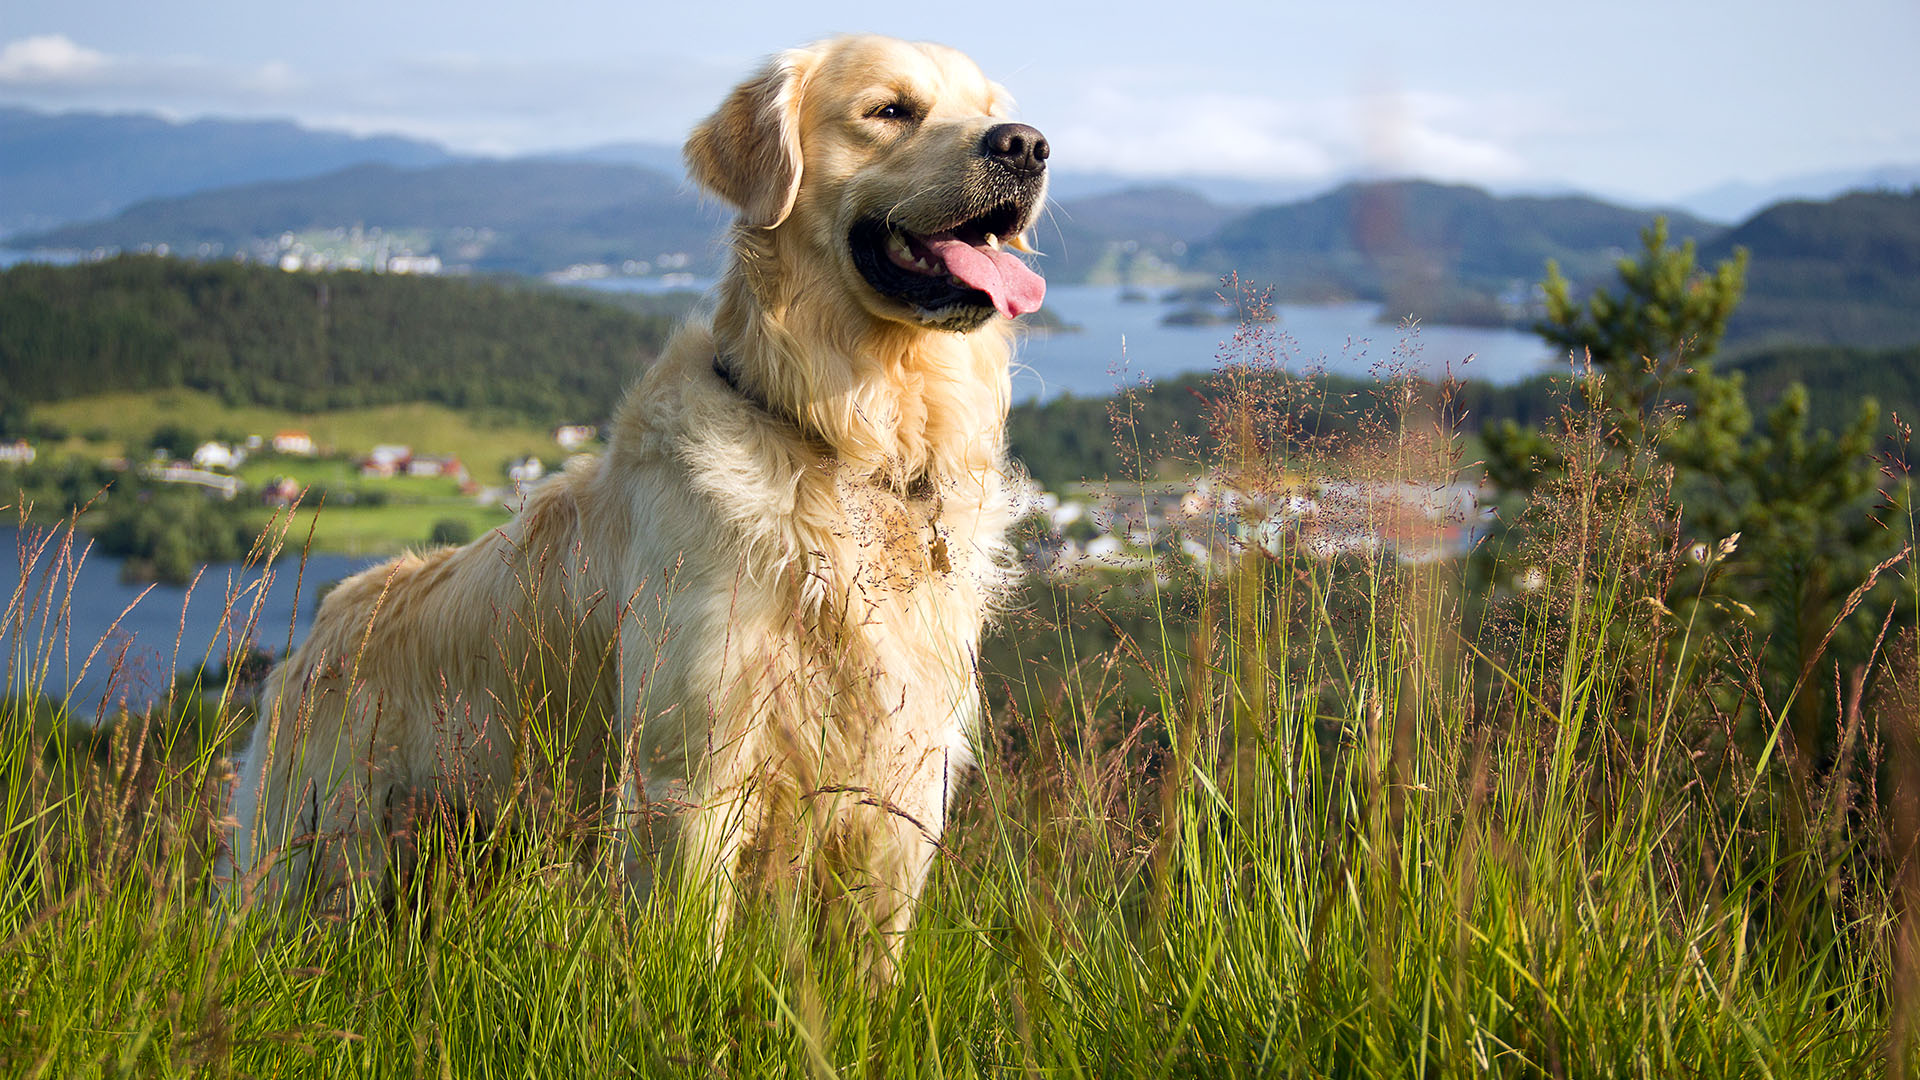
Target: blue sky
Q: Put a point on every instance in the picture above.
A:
(1635, 99)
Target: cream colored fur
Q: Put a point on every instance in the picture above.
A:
(764, 620)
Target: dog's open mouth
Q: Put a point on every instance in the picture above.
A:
(965, 268)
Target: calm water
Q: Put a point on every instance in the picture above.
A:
(170, 627)
(1121, 342)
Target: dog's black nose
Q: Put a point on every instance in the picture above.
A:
(1017, 146)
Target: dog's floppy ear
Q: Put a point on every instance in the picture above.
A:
(748, 151)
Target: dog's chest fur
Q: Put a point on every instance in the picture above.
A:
(854, 601)
(888, 539)
(897, 578)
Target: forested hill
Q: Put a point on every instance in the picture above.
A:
(1397, 240)
(314, 342)
(1839, 272)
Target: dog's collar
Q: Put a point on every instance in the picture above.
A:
(723, 367)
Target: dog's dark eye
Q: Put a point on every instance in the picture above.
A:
(892, 110)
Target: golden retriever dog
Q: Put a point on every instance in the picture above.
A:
(760, 608)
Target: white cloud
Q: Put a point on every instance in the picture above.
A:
(1132, 126)
(1160, 120)
(55, 71)
(1440, 136)
(518, 106)
(48, 58)
(273, 77)
(472, 103)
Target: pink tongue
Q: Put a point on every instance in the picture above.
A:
(1015, 289)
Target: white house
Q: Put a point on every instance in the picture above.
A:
(218, 455)
(390, 456)
(224, 486)
(436, 465)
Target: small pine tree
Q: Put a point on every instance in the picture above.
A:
(1667, 313)
(1647, 344)
(1782, 518)
(1799, 501)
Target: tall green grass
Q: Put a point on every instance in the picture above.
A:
(1309, 814)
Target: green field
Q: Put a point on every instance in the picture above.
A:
(361, 515)
(113, 423)
(1312, 816)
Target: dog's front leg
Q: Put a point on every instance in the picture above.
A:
(690, 803)
(901, 823)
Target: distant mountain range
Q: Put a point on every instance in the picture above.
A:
(521, 216)
(1841, 272)
(1738, 200)
(62, 167)
(1447, 253)
(658, 157)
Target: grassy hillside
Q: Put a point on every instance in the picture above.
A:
(122, 423)
(479, 370)
(361, 515)
(1371, 817)
(315, 342)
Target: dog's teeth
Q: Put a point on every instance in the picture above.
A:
(993, 242)
(1019, 243)
(898, 250)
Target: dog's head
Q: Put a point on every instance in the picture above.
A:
(894, 166)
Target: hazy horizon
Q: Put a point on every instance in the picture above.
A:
(1638, 101)
(1078, 183)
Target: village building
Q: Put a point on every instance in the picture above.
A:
(437, 465)
(218, 455)
(387, 459)
(216, 483)
(572, 437)
(295, 443)
(526, 471)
